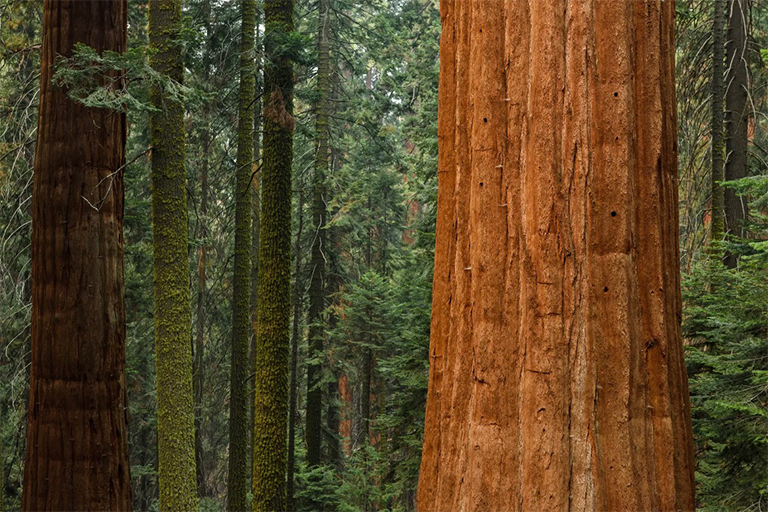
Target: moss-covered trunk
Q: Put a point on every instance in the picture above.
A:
(557, 379)
(274, 308)
(77, 449)
(314, 432)
(241, 300)
(173, 350)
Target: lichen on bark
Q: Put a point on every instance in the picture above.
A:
(274, 307)
(241, 300)
(173, 349)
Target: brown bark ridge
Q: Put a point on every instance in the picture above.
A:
(77, 445)
(557, 379)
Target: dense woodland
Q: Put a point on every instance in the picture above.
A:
(269, 168)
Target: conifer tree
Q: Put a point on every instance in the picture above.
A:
(314, 432)
(173, 348)
(77, 450)
(736, 118)
(717, 228)
(274, 307)
(557, 379)
(241, 301)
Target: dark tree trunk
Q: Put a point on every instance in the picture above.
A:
(241, 301)
(273, 324)
(736, 118)
(717, 219)
(255, 226)
(293, 405)
(77, 445)
(198, 370)
(314, 431)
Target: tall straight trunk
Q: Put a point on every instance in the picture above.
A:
(77, 444)
(198, 370)
(199, 351)
(557, 379)
(365, 397)
(273, 324)
(314, 431)
(241, 301)
(173, 351)
(255, 225)
(293, 407)
(717, 218)
(736, 117)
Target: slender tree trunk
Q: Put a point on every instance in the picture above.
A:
(173, 351)
(273, 344)
(199, 351)
(365, 397)
(255, 225)
(717, 219)
(293, 406)
(557, 379)
(241, 301)
(77, 444)
(314, 431)
(736, 117)
(2, 479)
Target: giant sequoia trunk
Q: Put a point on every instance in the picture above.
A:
(77, 448)
(557, 379)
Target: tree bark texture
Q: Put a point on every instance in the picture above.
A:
(274, 308)
(237, 484)
(173, 347)
(293, 397)
(557, 379)
(736, 116)
(198, 370)
(77, 445)
(315, 357)
(717, 218)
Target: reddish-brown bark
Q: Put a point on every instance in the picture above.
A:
(557, 379)
(77, 456)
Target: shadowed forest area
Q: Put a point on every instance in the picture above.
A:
(228, 281)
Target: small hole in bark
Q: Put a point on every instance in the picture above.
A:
(616, 138)
(485, 119)
(481, 183)
(613, 214)
(605, 289)
(615, 95)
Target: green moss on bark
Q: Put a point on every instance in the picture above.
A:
(238, 404)
(273, 325)
(175, 410)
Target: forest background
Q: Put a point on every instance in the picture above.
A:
(380, 195)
